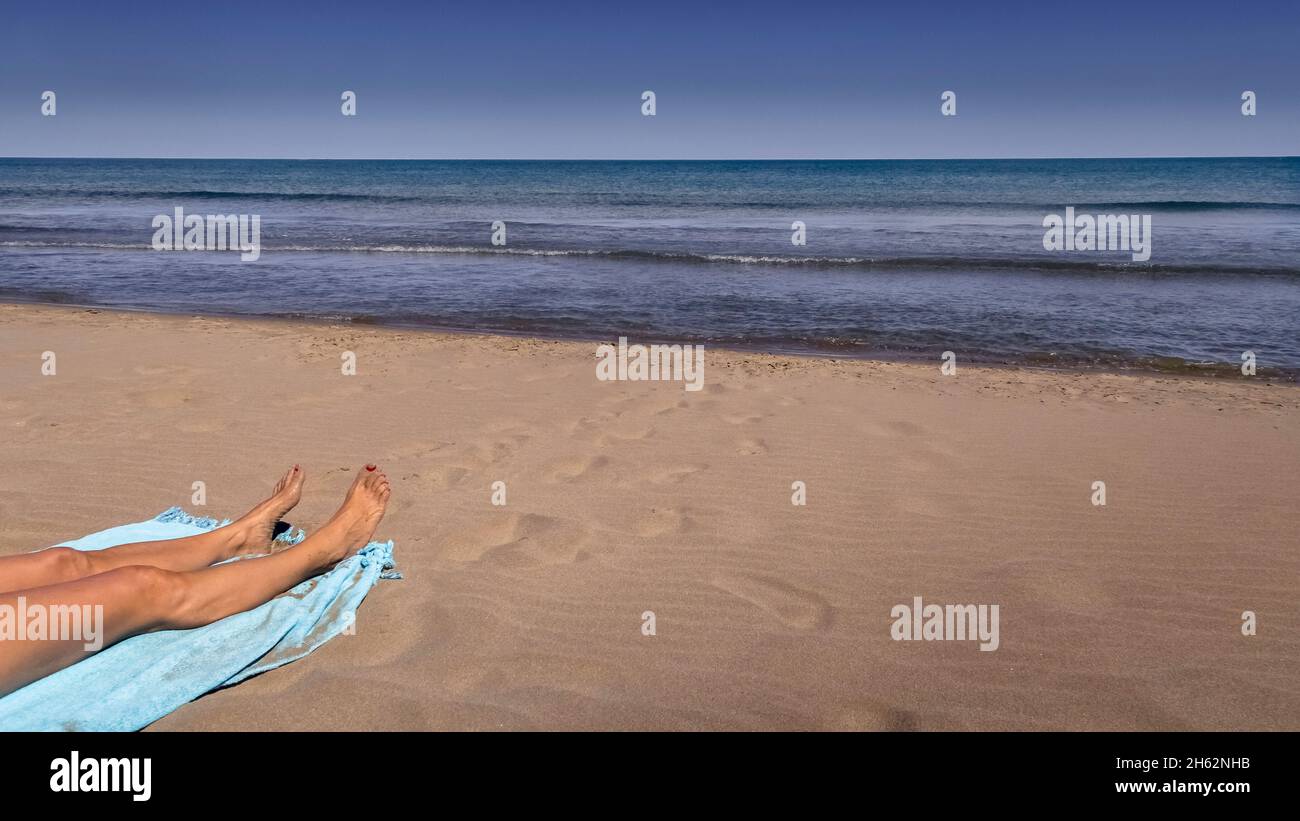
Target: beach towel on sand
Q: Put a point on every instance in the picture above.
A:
(143, 678)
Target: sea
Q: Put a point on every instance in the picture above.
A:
(898, 259)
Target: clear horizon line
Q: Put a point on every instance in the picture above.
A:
(666, 159)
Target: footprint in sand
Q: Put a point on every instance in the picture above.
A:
(528, 538)
(680, 404)
(590, 423)
(906, 428)
(751, 447)
(166, 398)
(489, 453)
(577, 468)
(511, 429)
(892, 430)
(447, 475)
(618, 400)
(660, 522)
(924, 457)
(615, 437)
(792, 606)
(673, 475)
(423, 449)
(869, 716)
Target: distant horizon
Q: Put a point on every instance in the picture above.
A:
(666, 159)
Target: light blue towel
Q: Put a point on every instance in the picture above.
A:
(142, 679)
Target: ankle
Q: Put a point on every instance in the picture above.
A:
(241, 535)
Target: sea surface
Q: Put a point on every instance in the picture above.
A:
(904, 259)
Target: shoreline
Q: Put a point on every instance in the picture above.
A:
(1181, 370)
(633, 497)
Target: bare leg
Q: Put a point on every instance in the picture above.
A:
(140, 599)
(252, 532)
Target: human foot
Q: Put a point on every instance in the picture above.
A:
(258, 525)
(352, 526)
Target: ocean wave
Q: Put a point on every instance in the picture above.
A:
(206, 194)
(1179, 205)
(107, 246)
(864, 263)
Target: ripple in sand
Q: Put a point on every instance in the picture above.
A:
(792, 606)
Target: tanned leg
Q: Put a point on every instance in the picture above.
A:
(140, 599)
(250, 534)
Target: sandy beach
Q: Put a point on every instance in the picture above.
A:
(627, 497)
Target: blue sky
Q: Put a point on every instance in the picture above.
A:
(564, 79)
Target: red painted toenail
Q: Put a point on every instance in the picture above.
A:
(370, 467)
